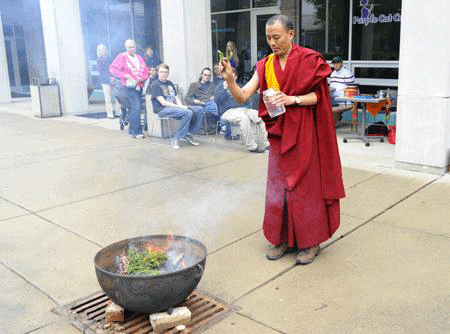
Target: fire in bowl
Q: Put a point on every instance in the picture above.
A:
(177, 278)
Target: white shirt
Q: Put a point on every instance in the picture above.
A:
(340, 79)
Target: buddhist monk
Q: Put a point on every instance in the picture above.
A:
(304, 181)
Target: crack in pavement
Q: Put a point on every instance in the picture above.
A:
(371, 219)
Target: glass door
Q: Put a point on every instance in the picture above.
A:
(16, 55)
(259, 46)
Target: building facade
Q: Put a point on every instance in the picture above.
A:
(378, 41)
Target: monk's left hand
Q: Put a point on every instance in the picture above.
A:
(282, 99)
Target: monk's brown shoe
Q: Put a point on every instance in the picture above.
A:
(306, 256)
(276, 252)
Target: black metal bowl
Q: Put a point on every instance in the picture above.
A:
(150, 294)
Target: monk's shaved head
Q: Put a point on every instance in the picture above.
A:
(285, 21)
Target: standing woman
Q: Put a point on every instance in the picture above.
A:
(103, 61)
(132, 71)
(231, 53)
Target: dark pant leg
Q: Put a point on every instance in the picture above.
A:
(198, 114)
(134, 100)
(184, 115)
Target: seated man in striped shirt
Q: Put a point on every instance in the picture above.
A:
(339, 79)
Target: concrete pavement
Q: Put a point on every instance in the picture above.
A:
(70, 185)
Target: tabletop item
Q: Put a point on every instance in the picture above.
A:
(380, 93)
(351, 91)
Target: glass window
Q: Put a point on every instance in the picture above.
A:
(119, 25)
(265, 3)
(313, 24)
(261, 43)
(94, 26)
(139, 25)
(376, 30)
(9, 59)
(230, 27)
(233, 27)
(18, 31)
(7, 30)
(338, 29)
(376, 73)
(223, 5)
(112, 22)
(151, 28)
(22, 60)
(329, 37)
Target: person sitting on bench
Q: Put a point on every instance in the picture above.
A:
(166, 103)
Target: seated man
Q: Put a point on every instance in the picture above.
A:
(167, 104)
(252, 127)
(201, 93)
(340, 78)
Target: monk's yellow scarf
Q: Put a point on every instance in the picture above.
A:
(271, 78)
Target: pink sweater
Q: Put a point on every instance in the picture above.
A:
(123, 66)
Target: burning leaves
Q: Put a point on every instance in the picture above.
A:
(153, 260)
(142, 262)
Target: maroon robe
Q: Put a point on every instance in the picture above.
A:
(304, 182)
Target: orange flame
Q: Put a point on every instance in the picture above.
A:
(163, 247)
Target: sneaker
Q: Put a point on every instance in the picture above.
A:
(139, 136)
(276, 252)
(174, 144)
(307, 256)
(258, 150)
(191, 140)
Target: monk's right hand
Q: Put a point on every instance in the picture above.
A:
(225, 69)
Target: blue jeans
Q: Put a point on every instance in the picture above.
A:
(191, 119)
(132, 101)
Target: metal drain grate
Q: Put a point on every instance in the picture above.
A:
(88, 315)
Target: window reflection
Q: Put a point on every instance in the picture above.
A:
(265, 3)
(119, 24)
(223, 5)
(313, 24)
(261, 43)
(325, 26)
(376, 73)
